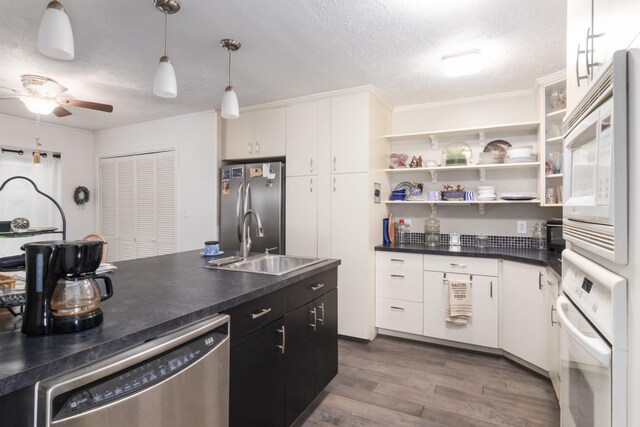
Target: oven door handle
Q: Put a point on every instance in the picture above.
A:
(600, 351)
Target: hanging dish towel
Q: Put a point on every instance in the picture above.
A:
(458, 309)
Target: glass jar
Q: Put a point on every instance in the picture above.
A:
(482, 240)
(432, 231)
(539, 236)
(403, 232)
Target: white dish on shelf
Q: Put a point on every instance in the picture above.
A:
(527, 159)
(216, 254)
(518, 196)
(486, 198)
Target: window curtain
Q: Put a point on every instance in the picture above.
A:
(19, 198)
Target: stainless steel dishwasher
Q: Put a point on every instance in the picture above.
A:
(178, 379)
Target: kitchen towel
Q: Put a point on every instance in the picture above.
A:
(458, 309)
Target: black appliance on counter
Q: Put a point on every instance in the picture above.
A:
(555, 242)
(61, 287)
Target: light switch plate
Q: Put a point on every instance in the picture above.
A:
(521, 227)
(376, 192)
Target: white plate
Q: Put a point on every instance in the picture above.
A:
(219, 253)
(485, 198)
(518, 196)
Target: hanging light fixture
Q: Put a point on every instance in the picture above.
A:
(164, 82)
(230, 109)
(55, 37)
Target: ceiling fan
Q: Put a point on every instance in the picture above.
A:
(43, 95)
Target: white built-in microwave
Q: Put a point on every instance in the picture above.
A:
(595, 158)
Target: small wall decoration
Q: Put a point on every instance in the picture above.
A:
(81, 195)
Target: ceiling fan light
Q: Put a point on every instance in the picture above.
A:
(164, 83)
(463, 63)
(39, 105)
(55, 37)
(230, 108)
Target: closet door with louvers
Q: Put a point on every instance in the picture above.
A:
(137, 205)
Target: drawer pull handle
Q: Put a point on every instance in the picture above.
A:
(400, 276)
(318, 286)
(314, 325)
(393, 307)
(396, 260)
(281, 347)
(321, 319)
(491, 289)
(553, 322)
(262, 312)
(455, 264)
(540, 281)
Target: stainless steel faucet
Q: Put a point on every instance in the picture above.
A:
(245, 245)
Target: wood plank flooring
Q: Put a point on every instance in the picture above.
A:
(393, 382)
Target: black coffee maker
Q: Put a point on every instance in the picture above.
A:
(62, 292)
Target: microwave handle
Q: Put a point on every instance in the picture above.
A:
(599, 351)
(589, 121)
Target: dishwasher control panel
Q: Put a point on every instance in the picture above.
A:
(135, 378)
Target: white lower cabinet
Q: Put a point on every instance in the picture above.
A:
(481, 329)
(553, 328)
(525, 313)
(399, 292)
(398, 315)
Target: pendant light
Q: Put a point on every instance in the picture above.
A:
(164, 82)
(230, 109)
(55, 37)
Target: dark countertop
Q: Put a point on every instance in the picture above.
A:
(529, 256)
(152, 296)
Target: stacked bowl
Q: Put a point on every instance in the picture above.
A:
(398, 194)
(486, 192)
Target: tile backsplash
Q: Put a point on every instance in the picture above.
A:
(470, 240)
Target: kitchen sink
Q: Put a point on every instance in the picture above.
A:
(269, 264)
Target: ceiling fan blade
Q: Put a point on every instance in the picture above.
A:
(86, 104)
(11, 89)
(61, 112)
(10, 97)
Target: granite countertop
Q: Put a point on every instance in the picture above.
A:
(152, 296)
(529, 256)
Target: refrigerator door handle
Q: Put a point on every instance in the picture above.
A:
(247, 206)
(238, 213)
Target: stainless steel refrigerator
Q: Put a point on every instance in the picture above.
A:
(257, 186)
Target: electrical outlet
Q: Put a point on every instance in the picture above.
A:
(522, 227)
(408, 222)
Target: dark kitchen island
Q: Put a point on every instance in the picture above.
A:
(154, 296)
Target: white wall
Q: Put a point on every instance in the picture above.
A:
(76, 148)
(499, 109)
(194, 137)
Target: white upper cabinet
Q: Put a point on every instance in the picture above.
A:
(350, 133)
(302, 215)
(255, 135)
(302, 139)
(596, 29)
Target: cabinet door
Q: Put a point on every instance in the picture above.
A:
(349, 242)
(127, 247)
(350, 133)
(525, 314)
(302, 216)
(553, 331)
(109, 206)
(482, 328)
(300, 360)
(269, 133)
(302, 139)
(326, 339)
(238, 137)
(257, 393)
(578, 22)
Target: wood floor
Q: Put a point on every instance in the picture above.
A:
(392, 382)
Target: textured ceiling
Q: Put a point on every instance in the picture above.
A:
(289, 49)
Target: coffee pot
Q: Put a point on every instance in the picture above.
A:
(62, 290)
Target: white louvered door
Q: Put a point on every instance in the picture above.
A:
(137, 205)
(109, 206)
(165, 203)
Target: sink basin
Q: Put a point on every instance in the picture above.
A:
(270, 264)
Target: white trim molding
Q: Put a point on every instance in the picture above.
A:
(472, 100)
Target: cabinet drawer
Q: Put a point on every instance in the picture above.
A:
(398, 262)
(462, 265)
(405, 286)
(311, 288)
(253, 315)
(397, 315)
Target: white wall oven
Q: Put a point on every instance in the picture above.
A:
(593, 346)
(595, 180)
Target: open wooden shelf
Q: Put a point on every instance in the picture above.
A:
(461, 202)
(554, 139)
(510, 127)
(557, 114)
(466, 167)
(554, 175)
